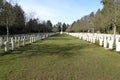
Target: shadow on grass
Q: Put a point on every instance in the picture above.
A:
(42, 50)
(66, 50)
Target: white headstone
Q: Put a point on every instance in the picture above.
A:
(61, 32)
(6, 46)
(18, 42)
(110, 42)
(117, 45)
(94, 38)
(1, 41)
(23, 41)
(34, 39)
(13, 44)
(100, 41)
(15, 39)
(30, 39)
(105, 42)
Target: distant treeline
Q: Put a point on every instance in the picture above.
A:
(102, 21)
(14, 18)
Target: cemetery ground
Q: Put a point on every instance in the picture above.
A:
(60, 57)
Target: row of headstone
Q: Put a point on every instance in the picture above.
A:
(104, 40)
(22, 40)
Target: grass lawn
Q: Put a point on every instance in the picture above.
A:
(60, 57)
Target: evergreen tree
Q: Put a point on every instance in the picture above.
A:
(19, 20)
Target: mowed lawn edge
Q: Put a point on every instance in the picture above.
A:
(60, 57)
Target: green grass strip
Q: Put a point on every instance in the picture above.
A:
(60, 57)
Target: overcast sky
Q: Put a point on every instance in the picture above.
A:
(60, 10)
